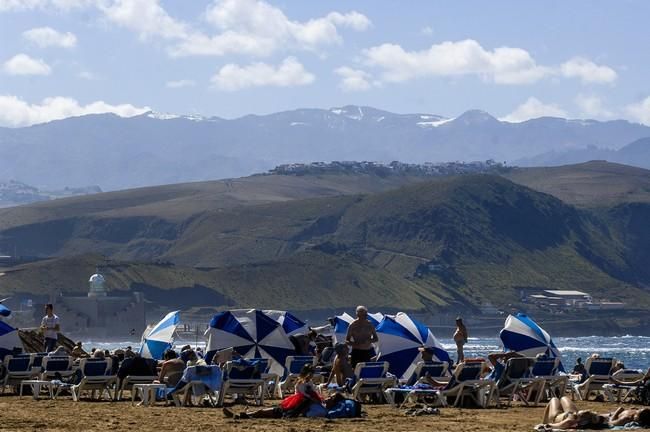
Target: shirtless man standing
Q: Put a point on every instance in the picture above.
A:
(361, 335)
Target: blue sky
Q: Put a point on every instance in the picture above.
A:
(514, 59)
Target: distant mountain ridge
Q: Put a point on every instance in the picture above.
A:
(155, 148)
(636, 153)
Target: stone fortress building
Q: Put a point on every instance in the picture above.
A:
(99, 314)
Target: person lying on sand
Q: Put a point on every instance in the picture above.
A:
(564, 414)
(294, 405)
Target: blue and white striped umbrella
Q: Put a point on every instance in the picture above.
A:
(252, 334)
(9, 339)
(342, 322)
(161, 337)
(523, 335)
(291, 324)
(400, 338)
(4, 311)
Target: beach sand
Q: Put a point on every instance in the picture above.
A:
(66, 415)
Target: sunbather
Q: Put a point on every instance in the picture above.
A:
(564, 414)
(342, 369)
(291, 406)
(171, 368)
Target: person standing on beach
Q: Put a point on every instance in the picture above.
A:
(360, 337)
(460, 337)
(50, 328)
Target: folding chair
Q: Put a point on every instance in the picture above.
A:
(95, 378)
(371, 378)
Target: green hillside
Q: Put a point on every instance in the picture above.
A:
(454, 243)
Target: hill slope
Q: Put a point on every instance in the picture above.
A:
(457, 242)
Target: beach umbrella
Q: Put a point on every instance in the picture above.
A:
(291, 324)
(9, 339)
(400, 336)
(343, 321)
(161, 337)
(4, 311)
(251, 333)
(521, 334)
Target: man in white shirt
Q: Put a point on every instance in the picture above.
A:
(50, 328)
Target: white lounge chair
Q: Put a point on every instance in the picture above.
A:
(95, 378)
(467, 377)
(242, 381)
(517, 381)
(18, 368)
(293, 365)
(371, 378)
(598, 374)
(56, 365)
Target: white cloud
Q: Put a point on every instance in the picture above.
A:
(146, 17)
(588, 71)
(23, 5)
(534, 108)
(592, 106)
(426, 31)
(354, 79)
(257, 28)
(289, 73)
(180, 84)
(640, 111)
(87, 75)
(17, 112)
(503, 65)
(47, 36)
(22, 64)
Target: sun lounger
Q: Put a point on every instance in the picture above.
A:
(242, 378)
(435, 370)
(371, 378)
(293, 366)
(517, 381)
(197, 383)
(95, 378)
(18, 368)
(468, 383)
(598, 374)
(53, 366)
(623, 392)
(554, 383)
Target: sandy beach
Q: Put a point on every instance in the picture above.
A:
(66, 415)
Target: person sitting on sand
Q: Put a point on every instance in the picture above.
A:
(171, 369)
(294, 405)
(342, 370)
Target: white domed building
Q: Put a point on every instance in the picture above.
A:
(101, 312)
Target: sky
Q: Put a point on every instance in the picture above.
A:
(229, 58)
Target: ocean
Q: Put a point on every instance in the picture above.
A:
(633, 351)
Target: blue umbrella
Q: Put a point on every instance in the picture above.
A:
(4, 311)
(252, 334)
(290, 323)
(523, 335)
(161, 337)
(400, 338)
(9, 339)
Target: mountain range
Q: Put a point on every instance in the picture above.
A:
(152, 149)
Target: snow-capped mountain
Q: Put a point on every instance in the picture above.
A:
(156, 148)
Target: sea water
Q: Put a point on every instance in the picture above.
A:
(633, 351)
